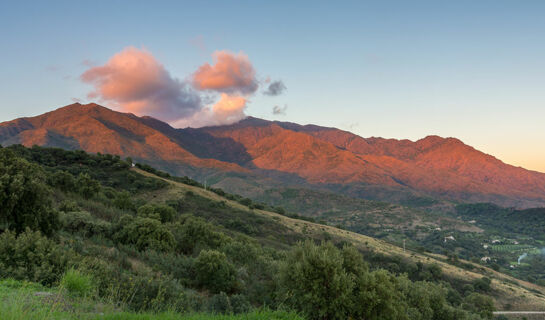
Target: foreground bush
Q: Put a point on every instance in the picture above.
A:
(78, 284)
(214, 271)
(324, 282)
(31, 256)
(24, 196)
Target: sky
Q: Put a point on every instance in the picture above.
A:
(474, 70)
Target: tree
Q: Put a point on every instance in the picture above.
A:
(482, 284)
(324, 282)
(123, 201)
(31, 256)
(479, 304)
(214, 272)
(63, 180)
(86, 186)
(161, 212)
(144, 233)
(24, 196)
(314, 281)
(194, 234)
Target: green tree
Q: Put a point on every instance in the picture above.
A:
(314, 281)
(63, 180)
(24, 197)
(161, 212)
(195, 233)
(86, 186)
(482, 284)
(31, 256)
(123, 201)
(214, 271)
(144, 233)
(479, 304)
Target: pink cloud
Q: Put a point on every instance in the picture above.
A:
(231, 73)
(134, 81)
(229, 109)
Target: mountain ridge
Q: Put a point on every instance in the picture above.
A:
(321, 156)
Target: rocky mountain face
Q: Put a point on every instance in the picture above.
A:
(256, 150)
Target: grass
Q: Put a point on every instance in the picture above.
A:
(20, 300)
(78, 284)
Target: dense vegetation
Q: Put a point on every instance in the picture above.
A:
(90, 224)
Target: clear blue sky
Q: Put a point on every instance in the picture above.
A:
(397, 69)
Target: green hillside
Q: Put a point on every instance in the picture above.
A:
(136, 240)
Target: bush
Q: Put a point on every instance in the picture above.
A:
(245, 202)
(86, 186)
(24, 197)
(220, 303)
(483, 284)
(479, 304)
(214, 272)
(164, 213)
(68, 206)
(240, 304)
(144, 233)
(63, 180)
(314, 281)
(123, 201)
(31, 256)
(194, 234)
(78, 284)
(85, 223)
(324, 282)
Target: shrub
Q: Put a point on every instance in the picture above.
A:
(479, 304)
(68, 206)
(123, 201)
(240, 303)
(144, 233)
(86, 186)
(324, 282)
(63, 180)
(245, 202)
(164, 213)
(24, 197)
(220, 303)
(214, 272)
(31, 256)
(314, 281)
(483, 284)
(78, 284)
(195, 233)
(83, 222)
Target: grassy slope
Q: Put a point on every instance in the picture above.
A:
(520, 295)
(29, 301)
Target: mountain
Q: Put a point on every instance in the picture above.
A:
(254, 154)
(94, 128)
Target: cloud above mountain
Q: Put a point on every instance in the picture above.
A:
(133, 80)
(275, 88)
(231, 73)
(280, 111)
(229, 109)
